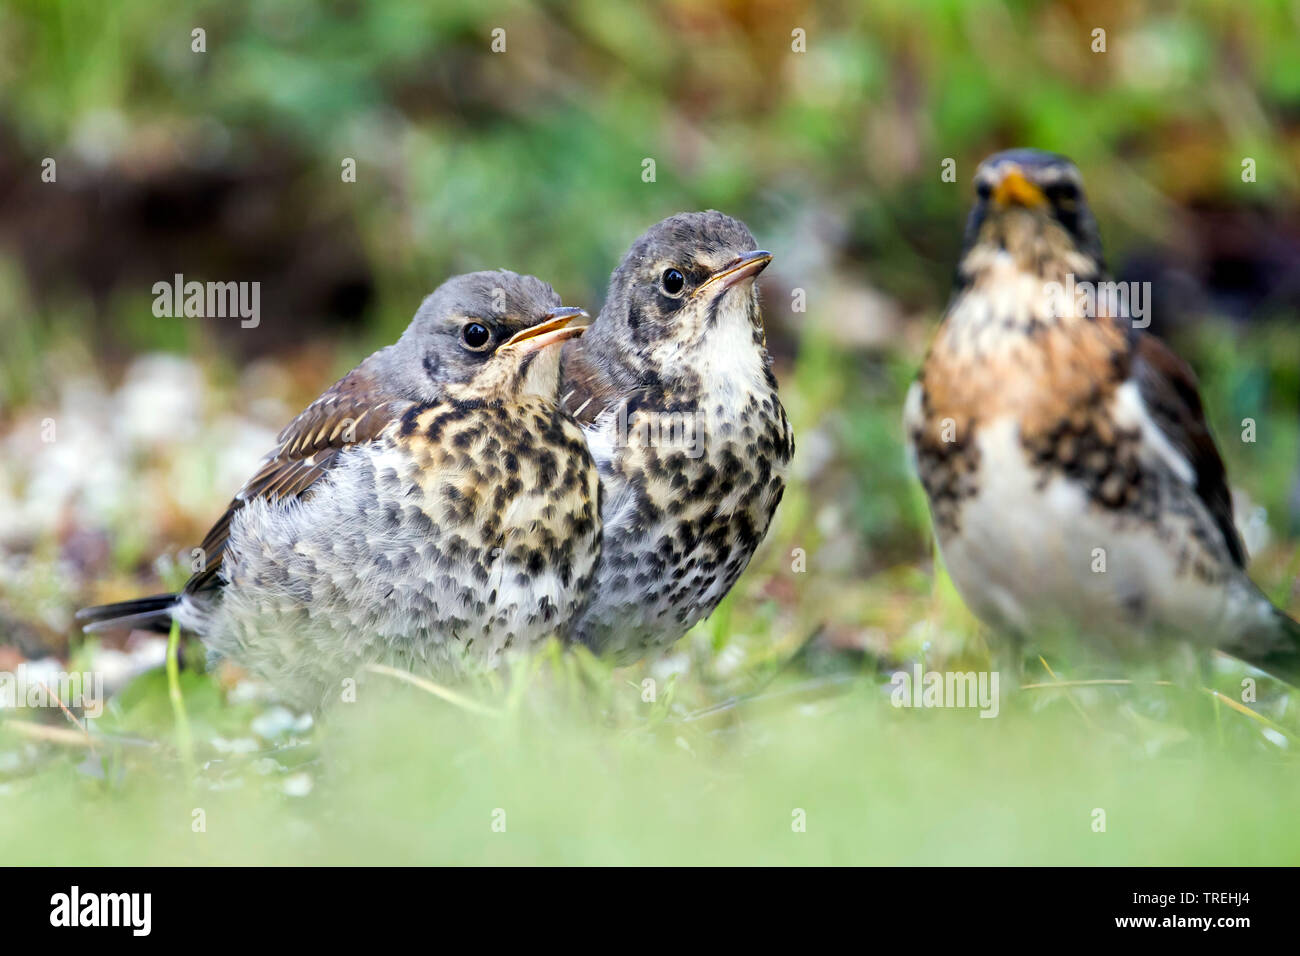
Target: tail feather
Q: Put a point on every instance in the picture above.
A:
(142, 614)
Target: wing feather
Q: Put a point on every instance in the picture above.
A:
(586, 391)
(354, 410)
(1170, 392)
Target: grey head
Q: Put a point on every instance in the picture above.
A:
(685, 286)
(481, 326)
(1031, 203)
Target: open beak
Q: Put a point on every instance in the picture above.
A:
(1016, 190)
(553, 328)
(743, 267)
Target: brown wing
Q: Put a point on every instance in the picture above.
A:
(354, 410)
(585, 389)
(1168, 387)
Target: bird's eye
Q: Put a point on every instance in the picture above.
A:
(673, 281)
(476, 336)
(1063, 191)
(984, 189)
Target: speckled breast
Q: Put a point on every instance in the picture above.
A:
(683, 517)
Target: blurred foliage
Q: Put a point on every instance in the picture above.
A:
(533, 156)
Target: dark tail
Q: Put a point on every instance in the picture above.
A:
(142, 614)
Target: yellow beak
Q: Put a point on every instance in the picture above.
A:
(552, 329)
(1016, 190)
(739, 269)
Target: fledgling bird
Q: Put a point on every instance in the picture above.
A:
(673, 387)
(432, 508)
(1071, 476)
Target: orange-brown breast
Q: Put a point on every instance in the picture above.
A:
(1051, 373)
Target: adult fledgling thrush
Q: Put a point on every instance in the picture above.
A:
(674, 390)
(1071, 475)
(433, 507)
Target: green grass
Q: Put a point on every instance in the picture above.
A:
(582, 770)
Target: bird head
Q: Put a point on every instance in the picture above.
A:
(1030, 205)
(485, 332)
(684, 293)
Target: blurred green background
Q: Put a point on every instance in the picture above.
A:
(826, 128)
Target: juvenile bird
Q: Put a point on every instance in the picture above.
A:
(1071, 476)
(674, 390)
(432, 508)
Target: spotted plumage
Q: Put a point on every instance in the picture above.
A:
(674, 390)
(432, 510)
(1071, 476)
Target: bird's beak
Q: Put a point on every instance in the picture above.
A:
(553, 328)
(1015, 190)
(739, 269)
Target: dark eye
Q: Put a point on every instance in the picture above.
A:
(673, 281)
(984, 189)
(1063, 192)
(476, 336)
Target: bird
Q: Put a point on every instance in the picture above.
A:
(673, 387)
(432, 510)
(1072, 479)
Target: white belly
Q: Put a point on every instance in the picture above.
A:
(1032, 553)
